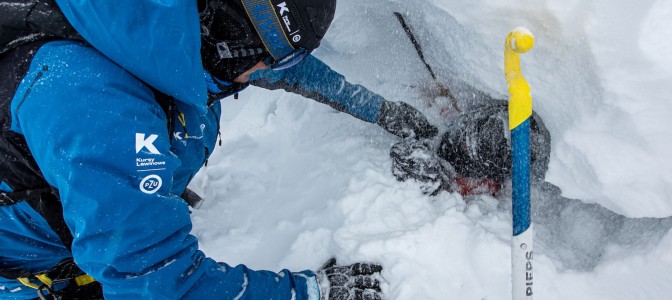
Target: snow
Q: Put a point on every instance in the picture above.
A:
(296, 183)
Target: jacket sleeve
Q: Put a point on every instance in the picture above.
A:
(313, 79)
(88, 122)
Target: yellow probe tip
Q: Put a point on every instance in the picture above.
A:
(521, 40)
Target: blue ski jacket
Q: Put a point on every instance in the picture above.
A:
(90, 119)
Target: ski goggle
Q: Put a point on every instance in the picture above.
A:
(288, 61)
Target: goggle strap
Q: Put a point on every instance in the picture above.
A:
(291, 60)
(267, 24)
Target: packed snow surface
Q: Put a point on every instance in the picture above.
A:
(296, 183)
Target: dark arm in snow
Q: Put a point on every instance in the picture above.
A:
(580, 234)
(313, 79)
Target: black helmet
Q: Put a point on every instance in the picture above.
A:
(238, 34)
(478, 144)
(229, 44)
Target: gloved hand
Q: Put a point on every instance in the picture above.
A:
(354, 282)
(413, 159)
(404, 121)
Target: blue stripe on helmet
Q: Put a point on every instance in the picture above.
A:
(269, 28)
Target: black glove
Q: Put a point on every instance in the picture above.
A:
(404, 121)
(354, 282)
(413, 159)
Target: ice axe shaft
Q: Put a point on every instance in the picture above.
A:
(443, 90)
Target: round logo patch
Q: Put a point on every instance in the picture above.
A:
(296, 38)
(151, 184)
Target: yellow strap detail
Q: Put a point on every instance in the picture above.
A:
(25, 281)
(520, 40)
(42, 278)
(80, 280)
(181, 118)
(84, 279)
(46, 280)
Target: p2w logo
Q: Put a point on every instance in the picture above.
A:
(147, 143)
(151, 184)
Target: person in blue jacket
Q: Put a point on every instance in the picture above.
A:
(109, 108)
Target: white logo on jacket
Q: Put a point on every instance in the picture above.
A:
(151, 184)
(147, 143)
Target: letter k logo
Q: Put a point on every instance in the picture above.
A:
(141, 142)
(283, 8)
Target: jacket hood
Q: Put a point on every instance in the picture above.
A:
(158, 41)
